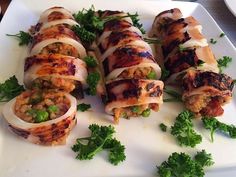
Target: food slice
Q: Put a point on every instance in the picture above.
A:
(42, 117)
(55, 71)
(131, 61)
(133, 97)
(204, 92)
(57, 39)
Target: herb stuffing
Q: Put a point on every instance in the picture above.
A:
(183, 130)
(101, 139)
(23, 37)
(212, 124)
(10, 89)
(182, 165)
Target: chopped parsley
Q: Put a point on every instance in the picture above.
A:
(163, 127)
(92, 81)
(90, 61)
(213, 41)
(222, 35)
(224, 62)
(83, 107)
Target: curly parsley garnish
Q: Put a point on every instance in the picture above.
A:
(24, 37)
(183, 130)
(181, 164)
(83, 107)
(101, 139)
(10, 89)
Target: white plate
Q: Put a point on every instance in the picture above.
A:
(231, 4)
(146, 145)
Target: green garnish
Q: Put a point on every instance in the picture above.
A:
(222, 34)
(234, 81)
(223, 62)
(163, 127)
(152, 41)
(212, 124)
(52, 109)
(213, 41)
(135, 109)
(136, 23)
(93, 23)
(23, 37)
(164, 74)
(90, 61)
(182, 165)
(10, 89)
(152, 75)
(92, 80)
(182, 48)
(101, 139)
(83, 107)
(38, 115)
(85, 35)
(146, 112)
(183, 130)
(176, 97)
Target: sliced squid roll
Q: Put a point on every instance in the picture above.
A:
(191, 38)
(55, 71)
(57, 39)
(162, 20)
(44, 118)
(201, 58)
(204, 92)
(130, 62)
(115, 26)
(183, 25)
(55, 13)
(131, 97)
(118, 39)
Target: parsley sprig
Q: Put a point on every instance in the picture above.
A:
(101, 139)
(212, 124)
(92, 81)
(183, 130)
(181, 164)
(224, 62)
(24, 37)
(10, 89)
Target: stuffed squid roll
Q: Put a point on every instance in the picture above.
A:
(55, 71)
(42, 117)
(133, 97)
(131, 62)
(52, 17)
(57, 39)
(204, 92)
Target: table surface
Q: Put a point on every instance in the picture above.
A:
(217, 8)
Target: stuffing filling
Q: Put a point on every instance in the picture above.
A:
(139, 73)
(60, 48)
(36, 106)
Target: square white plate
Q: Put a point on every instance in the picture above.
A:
(146, 145)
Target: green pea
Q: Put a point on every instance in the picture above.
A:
(135, 109)
(151, 75)
(52, 109)
(41, 116)
(146, 113)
